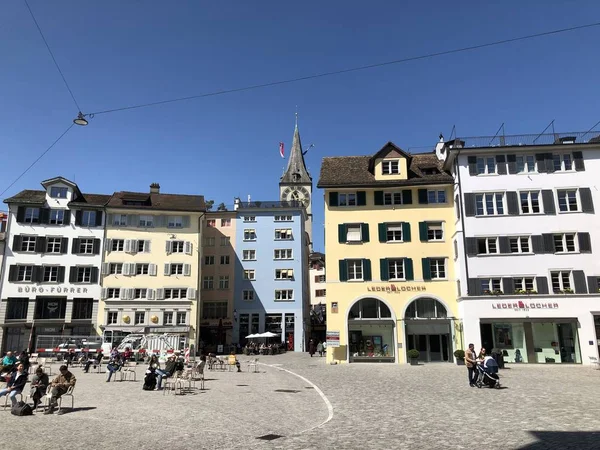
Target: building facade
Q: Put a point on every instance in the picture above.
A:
(318, 296)
(50, 281)
(528, 241)
(389, 229)
(151, 267)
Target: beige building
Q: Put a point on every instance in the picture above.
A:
(150, 273)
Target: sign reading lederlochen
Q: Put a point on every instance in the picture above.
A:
(522, 306)
(333, 339)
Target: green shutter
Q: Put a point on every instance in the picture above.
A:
(405, 232)
(342, 233)
(423, 231)
(423, 197)
(367, 270)
(384, 269)
(409, 273)
(407, 197)
(379, 197)
(382, 232)
(426, 269)
(364, 231)
(333, 199)
(343, 270)
(361, 198)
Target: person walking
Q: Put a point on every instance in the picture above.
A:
(471, 363)
(311, 348)
(320, 348)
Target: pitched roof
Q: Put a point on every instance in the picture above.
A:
(162, 202)
(32, 197)
(296, 164)
(90, 200)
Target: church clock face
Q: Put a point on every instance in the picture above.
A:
(294, 194)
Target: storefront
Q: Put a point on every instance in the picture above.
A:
(428, 330)
(371, 332)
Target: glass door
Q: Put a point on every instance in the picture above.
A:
(435, 347)
(566, 342)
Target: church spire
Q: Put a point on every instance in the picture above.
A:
(296, 172)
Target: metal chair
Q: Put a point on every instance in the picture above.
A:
(253, 364)
(128, 373)
(46, 398)
(594, 363)
(20, 395)
(45, 364)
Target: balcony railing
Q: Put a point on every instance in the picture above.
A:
(518, 140)
(269, 204)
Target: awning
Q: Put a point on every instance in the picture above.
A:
(168, 329)
(124, 329)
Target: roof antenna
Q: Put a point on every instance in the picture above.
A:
(591, 129)
(551, 124)
(502, 140)
(453, 133)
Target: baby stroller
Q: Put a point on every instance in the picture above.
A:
(488, 373)
(149, 380)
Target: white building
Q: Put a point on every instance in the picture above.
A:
(527, 244)
(318, 296)
(50, 281)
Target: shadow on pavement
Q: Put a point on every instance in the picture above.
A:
(549, 440)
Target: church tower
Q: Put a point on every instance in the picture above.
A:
(296, 182)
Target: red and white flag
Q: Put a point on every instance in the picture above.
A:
(281, 149)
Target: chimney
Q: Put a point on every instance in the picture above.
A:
(155, 188)
(236, 203)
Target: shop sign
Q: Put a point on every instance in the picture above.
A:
(396, 289)
(333, 338)
(524, 306)
(53, 290)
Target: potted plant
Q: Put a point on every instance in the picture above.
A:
(568, 291)
(498, 292)
(460, 357)
(413, 357)
(531, 291)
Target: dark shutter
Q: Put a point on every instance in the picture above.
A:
(40, 244)
(44, 215)
(578, 159)
(542, 285)
(78, 218)
(508, 286)
(548, 202)
(333, 199)
(470, 205)
(537, 244)
(67, 217)
(504, 244)
(585, 244)
(423, 231)
(378, 196)
(409, 272)
(361, 198)
(97, 243)
(472, 165)
(364, 231)
(579, 281)
(384, 269)
(587, 205)
(549, 162)
(21, 214)
(426, 266)
(94, 275)
(593, 285)
(64, 245)
(367, 270)
(61, 274)
(342, 233)
(457, 206)
(13, 273)
(512, 163)
(471, 244)
(75, 246)
(406, 232)
(72, 274)
(17, 241)
(540, 159)
(407, 197)
(382, 232)
(99, 215)
(512, 203)
(423, 197)
(474, 286)
(548, 243)
(38, 274)
(501, 164)
(343, 270)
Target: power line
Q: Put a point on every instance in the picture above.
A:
(353, 69)
(38, 158)
(52, 55)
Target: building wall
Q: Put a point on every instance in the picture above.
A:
(313, 275)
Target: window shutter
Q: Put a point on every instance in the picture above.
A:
(160, 294)
(152, 270)
(382, 227)
(384, 269)
(105, 268)
(549, 162)
(587, 205)
(96, 246)
(130, 293)
(333, 199)
(364, 231)
(361, 198)
(126, 269)
(367, 270)
(469, 205)
(38, 274)
(45, 215)
(99, 217)
(537, 244)
(512, 201)
(508, 286)
(169, 247)
(471, 244)
(67, 217)
(75, 246)
(108, 245)
(94, 275)
(188, 248)
(61, 274)
(426, 268)
(409, 272)
(133, 220)
(512, 163)
(501, 164)
(585, 244)
(342, 233)
(472, 165)
(579, 281)
(123, 294)
(504, 244)
(548, 202)
(423, 197)
(378, 197)
(13, 272)
(167, 271)
(423, 231)
(187, 270)
(17, 241)
(72, 274)
(185, 221)
(150, 294)
(407, 197)
(78, 217)
(406, 232)
(21, 214)
(548, 243)
(64, 245)
(578, 159)
(134, 246)
(147, 246)
(103, 293)
(191, 294)
(542, 285)
(40, 244)
(593, 285)
(343, 270)
(540, 159)
(473, 287)
(110, 220)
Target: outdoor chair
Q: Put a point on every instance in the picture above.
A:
(127, 372)
(46, 366)
(173, 383)
(46, 398)
(594, 363)
(253, 363)
(20, 395)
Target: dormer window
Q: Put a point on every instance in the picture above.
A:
(390, 167)
(58, 192)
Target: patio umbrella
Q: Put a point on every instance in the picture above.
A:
(268, 334)
(252, 336)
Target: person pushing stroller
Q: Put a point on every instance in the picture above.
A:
(488, 372)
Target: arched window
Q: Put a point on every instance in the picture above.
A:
(426, 308)
(369, 308)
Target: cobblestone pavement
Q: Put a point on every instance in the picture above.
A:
(375, 406)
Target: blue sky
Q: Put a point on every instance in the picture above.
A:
(116, 53)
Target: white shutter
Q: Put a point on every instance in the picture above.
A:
(187, 270)
(152, 270)
(126, 268)
(104, 293)
(108, 245)
(150, 294)
(191, 293)
(133, 246)
(130, 293)
(127, 246)
(160, 294)
(290, 273)
(169, 247)
(146, 246)
(105, 268)
(188, 248)
(110, 220)
(123, 294)
(167, 269)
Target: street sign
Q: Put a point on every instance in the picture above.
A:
(333, 339)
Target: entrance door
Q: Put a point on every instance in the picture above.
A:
(487, 338)
(435, 347)
(566, 342)
(531, 355)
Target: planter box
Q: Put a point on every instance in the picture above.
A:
(460, 362)
(414, 362)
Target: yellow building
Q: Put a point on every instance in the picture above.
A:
(150, 273)
(389, 232)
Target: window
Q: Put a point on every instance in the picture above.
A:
(140, 293)
(437, 196)
(50, 308)
(353, 233)
(284, 253)
(525, 284)
(525, 163)
(225, 241)
(320, 293)
(519, 244)
(168, 318)
(347, 199)
(486, 166)
(249, 219)
(249, 235)
(283, 219)
(176, 269)
(214, 310)
(438, 268)
(561, 281)
(284, 274)
(181, 318)
(490, 204)
(392, 198)
(248, 295)
(435, 231)
(249, 255)
(319, 278)
(249, 274)
(16, 308)
(82, 308)
(53, 244)
(177, 247)
(117, 245)
(143, 246)
(530, 202)
(146, 221)
(224, 282)
(211, 223)
(564, 243)
(208, 282)
(283, 234)
(57, 216)
(209, 241)
(394, 232)
(491, 285)
(355, 269)
(88, 218)
(32, 215)
(28, 243)
(50, 274)
(115, 268)
(140, 317)
(112, 318)
(86, 246)
(562, 162)
(112, 292)
(25, 273)
(225, 222)
(396, 269)
(84, 274)
(390, 167)
(175, 222)
(567, 200)
(209, 260)
(175, 293)
(487, 246)
(284, 295)
(58, 192)
(142, 269)
(120, 220)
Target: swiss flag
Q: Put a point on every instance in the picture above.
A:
(281, 149)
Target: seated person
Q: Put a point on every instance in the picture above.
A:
(8, 362)
(15, 385)
(114, 365)
(170, 369)
(60, 386)
(201, 365)
(233, 361)
(38, 386)
(96, 360)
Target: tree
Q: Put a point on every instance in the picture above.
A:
(221, 207)
(209, 204)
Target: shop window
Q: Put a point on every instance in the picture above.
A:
(82, 308)
(50, 308)
(16, 308)
(426, 308)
